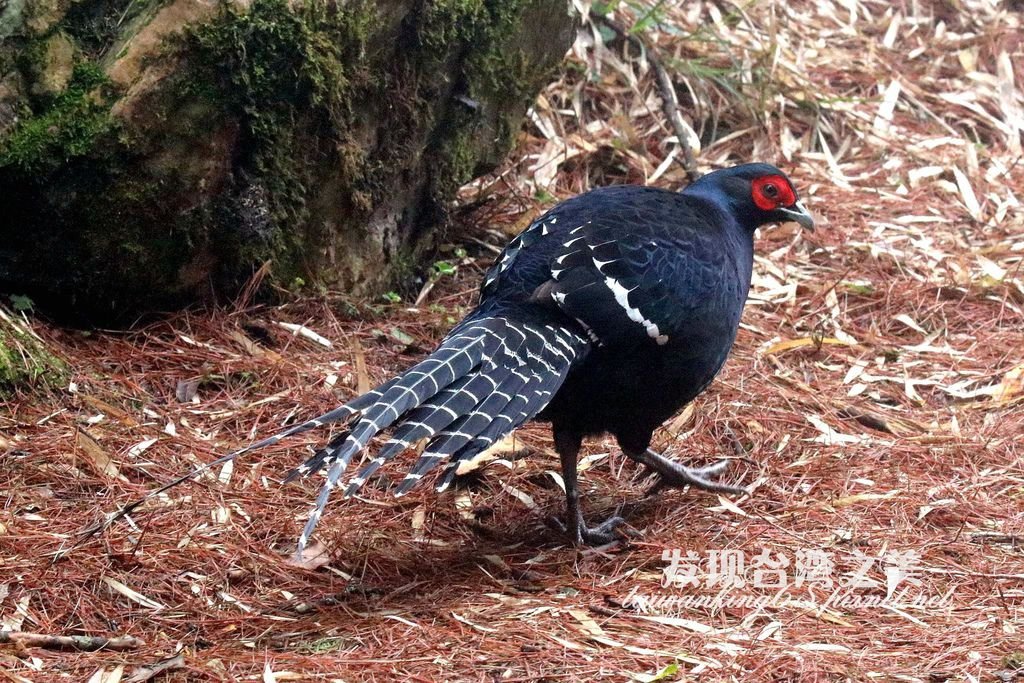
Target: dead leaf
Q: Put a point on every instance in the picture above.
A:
(104, 676)
(306, 333)
(587, 623)
(131, 594)
(148, 671)
(521, 496)
(247, 344)
(362, 376)
(186, 390)
(314, 556)
(97, 457)
(1011, 385)
(104, 407)
(790, 344)
(847, 501)
(506, 445)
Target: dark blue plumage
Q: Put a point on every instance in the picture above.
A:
(607, 314)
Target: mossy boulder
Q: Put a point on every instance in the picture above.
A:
(157, 153)
(25, 361)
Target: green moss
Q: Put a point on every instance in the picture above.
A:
(494, 70)
(273, 67)
(66, 129)
(458, 156)
(25, 362)
(492, 66)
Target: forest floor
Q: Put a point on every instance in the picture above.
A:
(873, 405)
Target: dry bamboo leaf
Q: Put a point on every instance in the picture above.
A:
(587, 462)
(362, 376)
(140, 448)
(688, 624)
(790, 344)
(830, 436)
(730, 506)
(576, 646)
(478, 627)
(1009, 102)
(506, 445)
(150, 671)
(883, 119)
(247, 344)
(967, 194)
(682, 421)
(587, 623)
(132, 595)
(847, 501)
(108, 676)
(306, 333)
(823, 647)
(521, 496)
(104, 407)
(419, 518)
(97, 457)
(611, 642)
(1011, 385)
(271, 676)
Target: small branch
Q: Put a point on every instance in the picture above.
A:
(669, 100)
(150, 671)
(83, 643)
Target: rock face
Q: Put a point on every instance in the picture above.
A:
(156, 152)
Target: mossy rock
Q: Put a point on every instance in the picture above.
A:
(189, 143)
(25, 361)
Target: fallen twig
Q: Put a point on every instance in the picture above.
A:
(669, 100)
(83, 643)
(149, 671)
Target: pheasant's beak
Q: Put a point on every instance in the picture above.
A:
(799, 213)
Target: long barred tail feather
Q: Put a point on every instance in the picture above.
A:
(538, 391)
(548, 359)
(437, 414)
(489, 375)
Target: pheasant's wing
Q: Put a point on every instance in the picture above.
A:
(667, 275)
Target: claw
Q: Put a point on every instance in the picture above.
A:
(674, 475)
(602, 534)
(580, 534)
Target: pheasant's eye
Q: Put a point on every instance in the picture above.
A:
(772, 191)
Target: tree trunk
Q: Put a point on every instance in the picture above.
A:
(155, 153)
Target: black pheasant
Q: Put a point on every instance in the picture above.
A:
(606, 315)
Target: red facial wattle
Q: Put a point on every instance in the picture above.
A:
(772, 191)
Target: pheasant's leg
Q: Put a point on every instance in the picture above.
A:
(677, 476)
(568, 447)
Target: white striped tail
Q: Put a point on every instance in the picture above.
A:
(489, 375)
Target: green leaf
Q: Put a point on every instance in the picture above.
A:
(669, 671)
(607, 34)
(444, 268)
(860, 288)
(393, 297)
(601, 9)
(402, 337)
(651, 17)
(20, 302)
